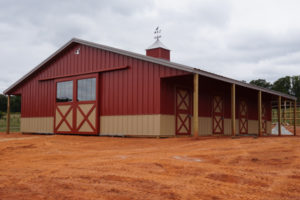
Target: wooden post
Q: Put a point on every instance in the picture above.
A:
(233, 131)
(279, 115)
(8, 115)
(290, 113)
(284, 112)
(295, 117)
(259, 114)
(195, 107)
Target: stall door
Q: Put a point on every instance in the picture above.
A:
(183, 111)
(263, 119)
(243, 117)
(76, 106)
(218, 115)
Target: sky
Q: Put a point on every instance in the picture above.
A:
(240, 39)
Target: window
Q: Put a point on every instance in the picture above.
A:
(86, 89)
(64, 91)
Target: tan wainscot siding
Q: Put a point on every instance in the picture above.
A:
(135, 125)
(253, 126)
(163, 125)
(37, 124)
(167, 125)
(205, 126)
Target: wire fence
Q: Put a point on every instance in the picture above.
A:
(14, 122)
(287, 113)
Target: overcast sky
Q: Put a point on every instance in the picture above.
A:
(239, 39)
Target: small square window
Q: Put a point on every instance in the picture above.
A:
(86, 89)
(64, 91)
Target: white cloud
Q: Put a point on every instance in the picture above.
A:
(244, 40)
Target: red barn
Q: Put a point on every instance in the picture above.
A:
(88, 88)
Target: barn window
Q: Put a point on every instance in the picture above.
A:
(86, 89)
(64, 91)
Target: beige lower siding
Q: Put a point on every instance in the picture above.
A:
(138, 125)
(37, 124)
(163, 125)
(143, 125)
(205, 126)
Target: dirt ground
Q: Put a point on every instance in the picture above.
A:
(81, 167)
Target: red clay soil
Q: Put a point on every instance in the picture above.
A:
(81, 167)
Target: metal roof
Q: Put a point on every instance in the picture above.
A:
(157, 44)
(153, 60)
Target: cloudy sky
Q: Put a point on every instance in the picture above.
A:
(240, 39)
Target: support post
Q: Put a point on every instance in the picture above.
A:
(259, 114)
(233, 131)
(290, 113)
(279, 115)
(295, 117)
(195, 107)
(8, 115)
(284, 112)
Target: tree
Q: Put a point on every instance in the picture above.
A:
(3, 103)
(15, 103)
(296, 86)
(262, 83)
(283, 85)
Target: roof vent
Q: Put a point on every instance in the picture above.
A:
(158, 49)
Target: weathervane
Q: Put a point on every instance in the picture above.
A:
(157, 33)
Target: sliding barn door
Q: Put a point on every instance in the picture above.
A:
(218, 115)
(64, 118)
(76, 105)
(86, 118)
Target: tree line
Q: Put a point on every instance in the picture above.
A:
(288, 85)
(15, 103)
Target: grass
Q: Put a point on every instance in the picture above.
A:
(14, 122)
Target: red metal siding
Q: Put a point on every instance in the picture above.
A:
(143, 88)
(135, 90)
(159, 53)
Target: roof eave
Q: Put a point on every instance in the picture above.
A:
(8, 90)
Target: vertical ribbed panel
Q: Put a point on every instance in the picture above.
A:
(134, 91)
(124, 92)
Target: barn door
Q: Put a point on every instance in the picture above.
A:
(263, 119)
(218, 115)
(76, 106)
(64, 108)
(243, 117)
(183, 111)
(64, 118)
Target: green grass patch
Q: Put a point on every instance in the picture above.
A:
(14, 122)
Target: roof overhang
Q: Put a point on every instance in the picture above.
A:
(149, 59)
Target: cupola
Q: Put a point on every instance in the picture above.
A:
(158, 49)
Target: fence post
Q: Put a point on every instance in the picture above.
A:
(279, 115)
(8, 115)
(295, 117)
